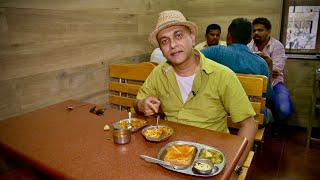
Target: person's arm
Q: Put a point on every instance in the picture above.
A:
(278, 57)
(268, 61)
(269, 75)
(248, 130)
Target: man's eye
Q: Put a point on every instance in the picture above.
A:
(164, 41)
(179, 35)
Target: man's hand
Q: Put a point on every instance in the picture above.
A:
(268, 61)
(275, 74)
(149, 105)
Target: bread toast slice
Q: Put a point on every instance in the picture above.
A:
(180, 155)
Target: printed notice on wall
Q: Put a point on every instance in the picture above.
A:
(302, 27)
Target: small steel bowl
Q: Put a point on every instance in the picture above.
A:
(121, 136)
(203, 166)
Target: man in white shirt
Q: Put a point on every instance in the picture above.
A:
(157, 56)
(212, 37)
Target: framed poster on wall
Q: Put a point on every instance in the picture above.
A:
(300, 27)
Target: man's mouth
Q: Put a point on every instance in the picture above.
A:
(176, 53)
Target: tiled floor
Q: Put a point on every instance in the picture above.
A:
(280, 158)
(285, 157)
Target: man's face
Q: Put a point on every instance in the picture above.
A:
(213, 37)
(176, 44)
(260, 34)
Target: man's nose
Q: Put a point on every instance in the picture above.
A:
(173, 43)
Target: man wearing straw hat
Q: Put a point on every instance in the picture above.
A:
(191, 89)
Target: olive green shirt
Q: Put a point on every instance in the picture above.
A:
(216, 92)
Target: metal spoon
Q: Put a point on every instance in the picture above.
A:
(129, 120)
(158, 118)
(157, 161)
(73, 107)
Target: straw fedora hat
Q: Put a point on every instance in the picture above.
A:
(167, 19)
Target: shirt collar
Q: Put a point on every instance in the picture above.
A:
(239, 46)
(204, 63)
(166, 67)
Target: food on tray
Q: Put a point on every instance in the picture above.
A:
(180, 155)
(213, 155)
(135, 123)
(201, 166)
(162, 131)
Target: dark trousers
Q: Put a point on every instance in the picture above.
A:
(279, 103)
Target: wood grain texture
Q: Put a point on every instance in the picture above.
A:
(56, 50)
(299, 75)
(205, 12)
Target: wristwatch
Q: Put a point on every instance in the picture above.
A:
(238, 170)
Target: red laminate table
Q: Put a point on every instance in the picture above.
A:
(71, 144)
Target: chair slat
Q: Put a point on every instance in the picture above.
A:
(252, 86)
(256, 107)
(138, 72)
(124, 88)
(125, 82)
(123, 101)
(259, 135)
(248, 161)
(265, 80)
(244, 173)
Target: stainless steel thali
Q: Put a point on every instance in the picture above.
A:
(188, 169)
(161, 138)
(116, 125)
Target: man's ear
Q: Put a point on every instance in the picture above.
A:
(269, 32)
(193, 37)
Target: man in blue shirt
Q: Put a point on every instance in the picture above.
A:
(237, 56)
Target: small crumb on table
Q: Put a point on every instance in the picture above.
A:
(106, 128)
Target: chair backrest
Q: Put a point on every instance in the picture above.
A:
(254, 86)
(125, 82)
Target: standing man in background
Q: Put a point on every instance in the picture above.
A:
(279, 103)
(212, 37)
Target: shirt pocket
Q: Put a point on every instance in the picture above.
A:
(169, 101)
(208, 106)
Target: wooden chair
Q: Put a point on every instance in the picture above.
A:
(125, 82)
(254, 86)
(256, 99)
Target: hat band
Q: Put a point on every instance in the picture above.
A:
(168, 22)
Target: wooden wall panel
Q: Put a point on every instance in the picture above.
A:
(205, 12)
(77, 4)
(125, 6)
(51, 51)
(78, 42)
(299, 78)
